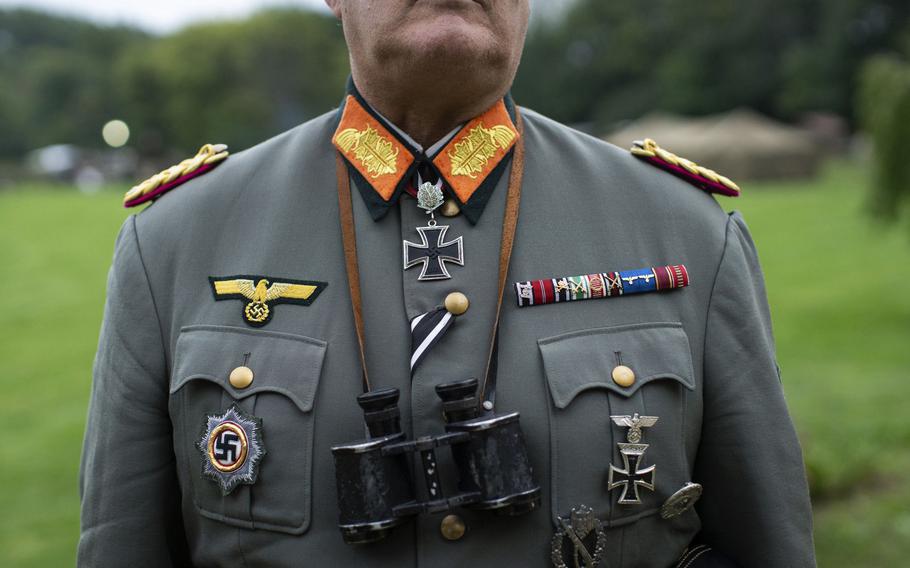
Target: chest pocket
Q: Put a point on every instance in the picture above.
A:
(285, 375)
(584, 440)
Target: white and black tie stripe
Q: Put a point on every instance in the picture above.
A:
(426, 330)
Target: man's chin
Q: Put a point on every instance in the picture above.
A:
(449, 40)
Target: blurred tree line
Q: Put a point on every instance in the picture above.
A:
(610, 61)
(241, 81)
(885, 114)
(237, 82)
(56, 83)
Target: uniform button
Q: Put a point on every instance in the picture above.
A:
(623, 376)
(452, 527)
(457, 303)
(241, 377)
(449, 208)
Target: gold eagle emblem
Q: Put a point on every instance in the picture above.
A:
(261, 292)
(471, 155)
(374, 152)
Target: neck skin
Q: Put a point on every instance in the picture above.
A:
(426, 114)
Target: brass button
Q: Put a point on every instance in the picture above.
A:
(457, 303)
(452, 527)
(241, 377)
(623, 376)
(449, 208)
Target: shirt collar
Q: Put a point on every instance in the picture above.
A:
(383, 160)
(417, 148)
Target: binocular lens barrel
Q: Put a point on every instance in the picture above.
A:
(459, 400)
(380, 412)
(376, 491)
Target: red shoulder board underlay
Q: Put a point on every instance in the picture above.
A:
(700, 177)
(208, 157)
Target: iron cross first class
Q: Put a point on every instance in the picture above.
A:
(433, 252)
(630, 478)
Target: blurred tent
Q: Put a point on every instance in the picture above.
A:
(741, 144)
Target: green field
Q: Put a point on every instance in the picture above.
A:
(839, 286)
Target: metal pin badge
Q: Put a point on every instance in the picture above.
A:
(630, 478)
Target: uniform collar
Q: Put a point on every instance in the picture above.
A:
(383, 160)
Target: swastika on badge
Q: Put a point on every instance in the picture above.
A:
(232, 448)
(228, 447)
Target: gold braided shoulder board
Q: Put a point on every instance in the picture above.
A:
(204, 161)
(699, 176)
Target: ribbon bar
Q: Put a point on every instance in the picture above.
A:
(601, 285)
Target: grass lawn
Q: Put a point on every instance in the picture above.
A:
(838, 284)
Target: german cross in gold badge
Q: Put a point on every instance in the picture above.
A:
(263, 292)
(232, 448)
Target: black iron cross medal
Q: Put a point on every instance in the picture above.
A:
(630, 478)
(433, 252)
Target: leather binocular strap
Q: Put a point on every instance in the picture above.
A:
(509, 224)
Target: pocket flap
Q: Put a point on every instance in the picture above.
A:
(581, 360)
(281, 362)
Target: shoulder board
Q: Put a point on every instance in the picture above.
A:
(700, 177)
(204, 161)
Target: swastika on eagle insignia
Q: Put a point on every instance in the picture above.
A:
(231, 448)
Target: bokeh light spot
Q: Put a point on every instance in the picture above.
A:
(115, 133)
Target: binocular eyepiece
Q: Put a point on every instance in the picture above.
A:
(375, 488)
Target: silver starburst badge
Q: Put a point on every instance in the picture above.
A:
(429, 196)
(232, 448)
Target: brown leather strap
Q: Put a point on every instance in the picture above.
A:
(509, 223)
(349, 240)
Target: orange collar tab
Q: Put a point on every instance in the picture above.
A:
(371, 149)
(469, 157)
(383, 164)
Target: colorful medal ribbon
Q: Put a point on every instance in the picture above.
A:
(601, 285)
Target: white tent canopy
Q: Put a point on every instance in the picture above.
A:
(741, 144)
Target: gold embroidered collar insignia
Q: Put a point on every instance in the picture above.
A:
(476, 150)
(374, 151)
(386, 164)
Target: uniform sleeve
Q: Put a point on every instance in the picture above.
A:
(755, 507)
(127, 480)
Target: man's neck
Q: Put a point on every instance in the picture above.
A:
(427, 117)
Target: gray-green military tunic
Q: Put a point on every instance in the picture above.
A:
(702, 357)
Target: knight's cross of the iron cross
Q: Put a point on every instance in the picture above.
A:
(433, 252)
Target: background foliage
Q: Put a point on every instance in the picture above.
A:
(885, 112)
(781, 57)
(240, 82)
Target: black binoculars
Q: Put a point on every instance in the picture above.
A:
(376, 492)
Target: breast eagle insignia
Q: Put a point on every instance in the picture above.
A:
(264, 292)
